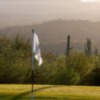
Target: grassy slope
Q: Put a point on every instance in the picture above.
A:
(49, 92)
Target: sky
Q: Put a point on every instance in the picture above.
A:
(23, 12)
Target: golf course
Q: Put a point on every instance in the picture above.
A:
(49, 92)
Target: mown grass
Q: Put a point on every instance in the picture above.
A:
(49, 92)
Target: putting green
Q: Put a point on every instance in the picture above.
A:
(49, 92)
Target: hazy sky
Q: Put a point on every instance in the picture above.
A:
(23, 12)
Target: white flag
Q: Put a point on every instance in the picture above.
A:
(36, 49)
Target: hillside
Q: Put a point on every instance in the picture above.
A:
(53, 34)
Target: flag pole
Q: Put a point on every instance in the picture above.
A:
(32, 63)
(35, 52)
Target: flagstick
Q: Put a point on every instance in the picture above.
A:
(32, 63)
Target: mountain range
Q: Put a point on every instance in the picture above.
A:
(53, 34)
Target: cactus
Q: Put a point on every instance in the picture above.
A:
(88, 47)
(85, 49)
(68, 45)
(96, 51)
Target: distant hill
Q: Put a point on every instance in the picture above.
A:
(53, 34)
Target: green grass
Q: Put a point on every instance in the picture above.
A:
(49, 92)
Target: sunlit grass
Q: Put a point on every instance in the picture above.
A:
(49, 92)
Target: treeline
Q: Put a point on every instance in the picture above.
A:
(74, 69)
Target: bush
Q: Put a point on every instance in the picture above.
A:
(74, 69)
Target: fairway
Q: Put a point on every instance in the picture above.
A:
(49, 92)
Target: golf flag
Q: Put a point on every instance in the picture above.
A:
(36, 49)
